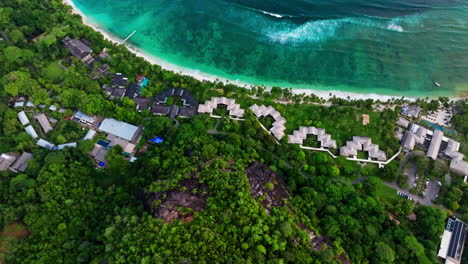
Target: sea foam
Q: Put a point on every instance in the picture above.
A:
(395, 27)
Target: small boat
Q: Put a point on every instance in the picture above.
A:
(436, 83)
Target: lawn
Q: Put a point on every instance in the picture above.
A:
(54, 72)
(387, 193)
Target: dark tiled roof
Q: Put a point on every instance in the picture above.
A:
(173, 111)
(77, 48)
(159, 109)
(104, 69)
(142, 102)
(189, 108)
(184, 94)
(131, 90)
(107, 89)
(119, 80)
(118, 93)
(187, 112)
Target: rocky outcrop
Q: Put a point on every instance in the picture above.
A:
(175, 204)
(266, 186)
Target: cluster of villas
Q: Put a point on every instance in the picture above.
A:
(117, 133)
(175, 102)
(187, 105)
(435, 143)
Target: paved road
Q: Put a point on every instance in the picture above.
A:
(62, 66)
(360, 180)
(424, 201)
(215, 129)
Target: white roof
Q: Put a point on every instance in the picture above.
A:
(30, 130)
(30, 104)
(23, 118)
(45, 144)
(118, 128)
(66, 145)
(53, 108)
(90, 134)
(19, 104)
(444, 244)
(84, 117)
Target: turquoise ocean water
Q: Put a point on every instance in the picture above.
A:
(391, 47)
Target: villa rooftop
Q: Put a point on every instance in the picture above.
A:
(44, 122)
(119, 129)
(21, 164)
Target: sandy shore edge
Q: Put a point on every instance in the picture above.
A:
(204, 76)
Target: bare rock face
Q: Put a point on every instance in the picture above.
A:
(266, 186)
(173, 204)
(185, 199)
(166, 213)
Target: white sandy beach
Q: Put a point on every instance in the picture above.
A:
(204, 76)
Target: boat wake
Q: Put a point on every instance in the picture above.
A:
(272, 14)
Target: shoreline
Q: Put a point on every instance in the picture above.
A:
(201, 76)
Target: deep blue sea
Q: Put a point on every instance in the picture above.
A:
(394, 47)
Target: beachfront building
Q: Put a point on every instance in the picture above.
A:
(453, 241)
(23, 118)
(411, 111)
(232, 107)
(298, 136)
(78, 49)
(21, 164)
(278, 126)
(44, 122)
(363, 144)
